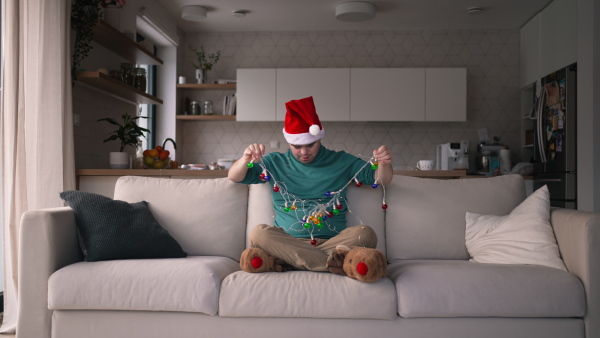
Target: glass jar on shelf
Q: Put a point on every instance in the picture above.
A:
(207, 108)
(127, 73)
(195, 108)
(139, 79)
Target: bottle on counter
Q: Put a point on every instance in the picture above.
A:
(505, 164)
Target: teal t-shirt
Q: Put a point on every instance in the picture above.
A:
(303, 187)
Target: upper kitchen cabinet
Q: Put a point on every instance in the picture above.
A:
(387, 94)
(548, 41)
(256, 94)
(558, 32)
(446, 94)
(530, 51)
(329, 87)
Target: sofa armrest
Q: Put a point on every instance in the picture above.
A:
(47, 242)
(578, 237)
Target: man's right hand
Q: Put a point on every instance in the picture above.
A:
(253, 153)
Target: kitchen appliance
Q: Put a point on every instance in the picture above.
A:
(488, 157)
(555, 148)
(453, 155)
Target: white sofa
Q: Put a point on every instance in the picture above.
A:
(432, 290)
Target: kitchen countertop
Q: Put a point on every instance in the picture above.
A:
(440, 174)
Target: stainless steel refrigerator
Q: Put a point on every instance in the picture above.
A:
(556, 140)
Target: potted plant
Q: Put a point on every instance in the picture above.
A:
(128, 133)
(205, 62)
(84, 16)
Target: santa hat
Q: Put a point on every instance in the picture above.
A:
(302, 124)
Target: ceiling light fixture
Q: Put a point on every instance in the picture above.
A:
(474, 10)
(193, 13)
(240, 13)
(355, 11)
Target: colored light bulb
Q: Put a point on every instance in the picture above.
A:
(325, 217)
(336, 212)
(313, 242)
(329, 214)
(250, 165)
(319, 225)
(286, 209)
(267, 177)
(276, 189)
(384, 206)
(375, 185)
(307, 225)
(293, 207)
(374, 166)
(376, 163)
(339, 207)
(358, 184)
(328, 193)
(320, 218)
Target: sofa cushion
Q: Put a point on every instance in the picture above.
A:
(364, 208)
(426, 217)
(306, 294)
(525, 236)
(187, 285)
(206, 216)
(428, 288)
(109, 229)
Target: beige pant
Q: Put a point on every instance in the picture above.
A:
(300, 253)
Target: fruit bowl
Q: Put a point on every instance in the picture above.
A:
(156, 162)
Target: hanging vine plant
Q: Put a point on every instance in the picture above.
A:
(84, 16)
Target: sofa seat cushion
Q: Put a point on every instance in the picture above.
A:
(306, 294)
(428, 288)
(189, 284)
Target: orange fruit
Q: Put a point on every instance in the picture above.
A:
(153, 153)
(146, 153)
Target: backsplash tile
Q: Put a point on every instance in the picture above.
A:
(490, 56)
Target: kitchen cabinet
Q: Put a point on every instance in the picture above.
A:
(357, 94)
(329, 87)
(118, 43)
(256, 97)
(387, 94)
(207, 86)
(530, 51)
(548, 41)
(445, 94)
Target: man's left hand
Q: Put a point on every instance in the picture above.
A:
(383, 155)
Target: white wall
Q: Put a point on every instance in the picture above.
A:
(588, 106)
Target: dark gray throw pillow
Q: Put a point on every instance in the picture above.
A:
(110, 229)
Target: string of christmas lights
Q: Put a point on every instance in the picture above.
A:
(317, 214)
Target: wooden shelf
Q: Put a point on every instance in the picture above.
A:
(117, 42)
(208, 86)
(116, 88)
(206, 117)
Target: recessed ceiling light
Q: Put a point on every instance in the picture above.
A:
(240, 13)
(474, 10)
(193, 13)
(355, 11)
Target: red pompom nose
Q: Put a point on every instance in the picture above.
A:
(362, 268)
(256, 262)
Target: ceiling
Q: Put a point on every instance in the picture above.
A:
(302, 15)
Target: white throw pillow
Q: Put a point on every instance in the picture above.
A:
(524, 236)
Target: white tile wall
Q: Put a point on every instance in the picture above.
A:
(490, 56)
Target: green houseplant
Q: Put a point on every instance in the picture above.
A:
(205, 62)
(128, 133)
(84, 16)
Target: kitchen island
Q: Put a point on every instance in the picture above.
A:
(102, 181)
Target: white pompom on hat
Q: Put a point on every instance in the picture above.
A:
(302, 124)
